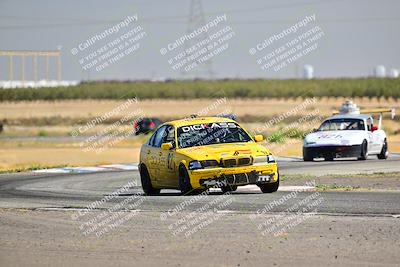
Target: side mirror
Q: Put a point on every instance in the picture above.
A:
(258, 138)
(374, 128)
(166, 146)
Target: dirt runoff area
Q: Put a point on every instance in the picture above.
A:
(360, 182)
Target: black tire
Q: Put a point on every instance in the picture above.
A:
(228, 188)
(184, 181)
(364, 151)
(147, 187)
(384, 152)
(269, 188)
(307, 156)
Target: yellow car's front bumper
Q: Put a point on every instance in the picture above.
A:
(252, 174)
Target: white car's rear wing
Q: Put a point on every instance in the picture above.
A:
(373, 111)
(379, 111)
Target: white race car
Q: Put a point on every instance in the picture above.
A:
(348, 134)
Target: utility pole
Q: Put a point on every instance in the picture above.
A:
(196, 20)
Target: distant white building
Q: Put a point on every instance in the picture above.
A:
(380, 71)
(38, 84)
(308, 72)
(394, 73)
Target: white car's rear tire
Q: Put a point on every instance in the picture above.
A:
(364, 151)
(384, 152)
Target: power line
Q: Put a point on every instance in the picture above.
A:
(156, 20)
(322, 21)
(179, 19)
(269, 7)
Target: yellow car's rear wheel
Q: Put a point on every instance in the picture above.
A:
(147, 187)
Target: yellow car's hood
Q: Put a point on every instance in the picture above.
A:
(219, 151)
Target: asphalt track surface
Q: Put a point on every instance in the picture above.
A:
(41, 224)
(42, 190)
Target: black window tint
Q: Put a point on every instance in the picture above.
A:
(151, 140)
(159, 136)
(211, 133)
(169, 135)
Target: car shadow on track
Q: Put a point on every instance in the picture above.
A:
(175, 194)
(339, 160)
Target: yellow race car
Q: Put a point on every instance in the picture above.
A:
(198, 153)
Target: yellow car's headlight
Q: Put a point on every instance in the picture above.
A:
(271, 159)
(195, 165)
(264, 159)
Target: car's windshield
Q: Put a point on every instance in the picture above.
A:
(211, 133)
(342, 124)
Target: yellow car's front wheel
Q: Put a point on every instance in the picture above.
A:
(184, 180)
(271, 187)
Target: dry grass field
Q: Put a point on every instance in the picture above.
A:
(38, 133)
(175, 108)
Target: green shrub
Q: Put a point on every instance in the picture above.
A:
(370, 87)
